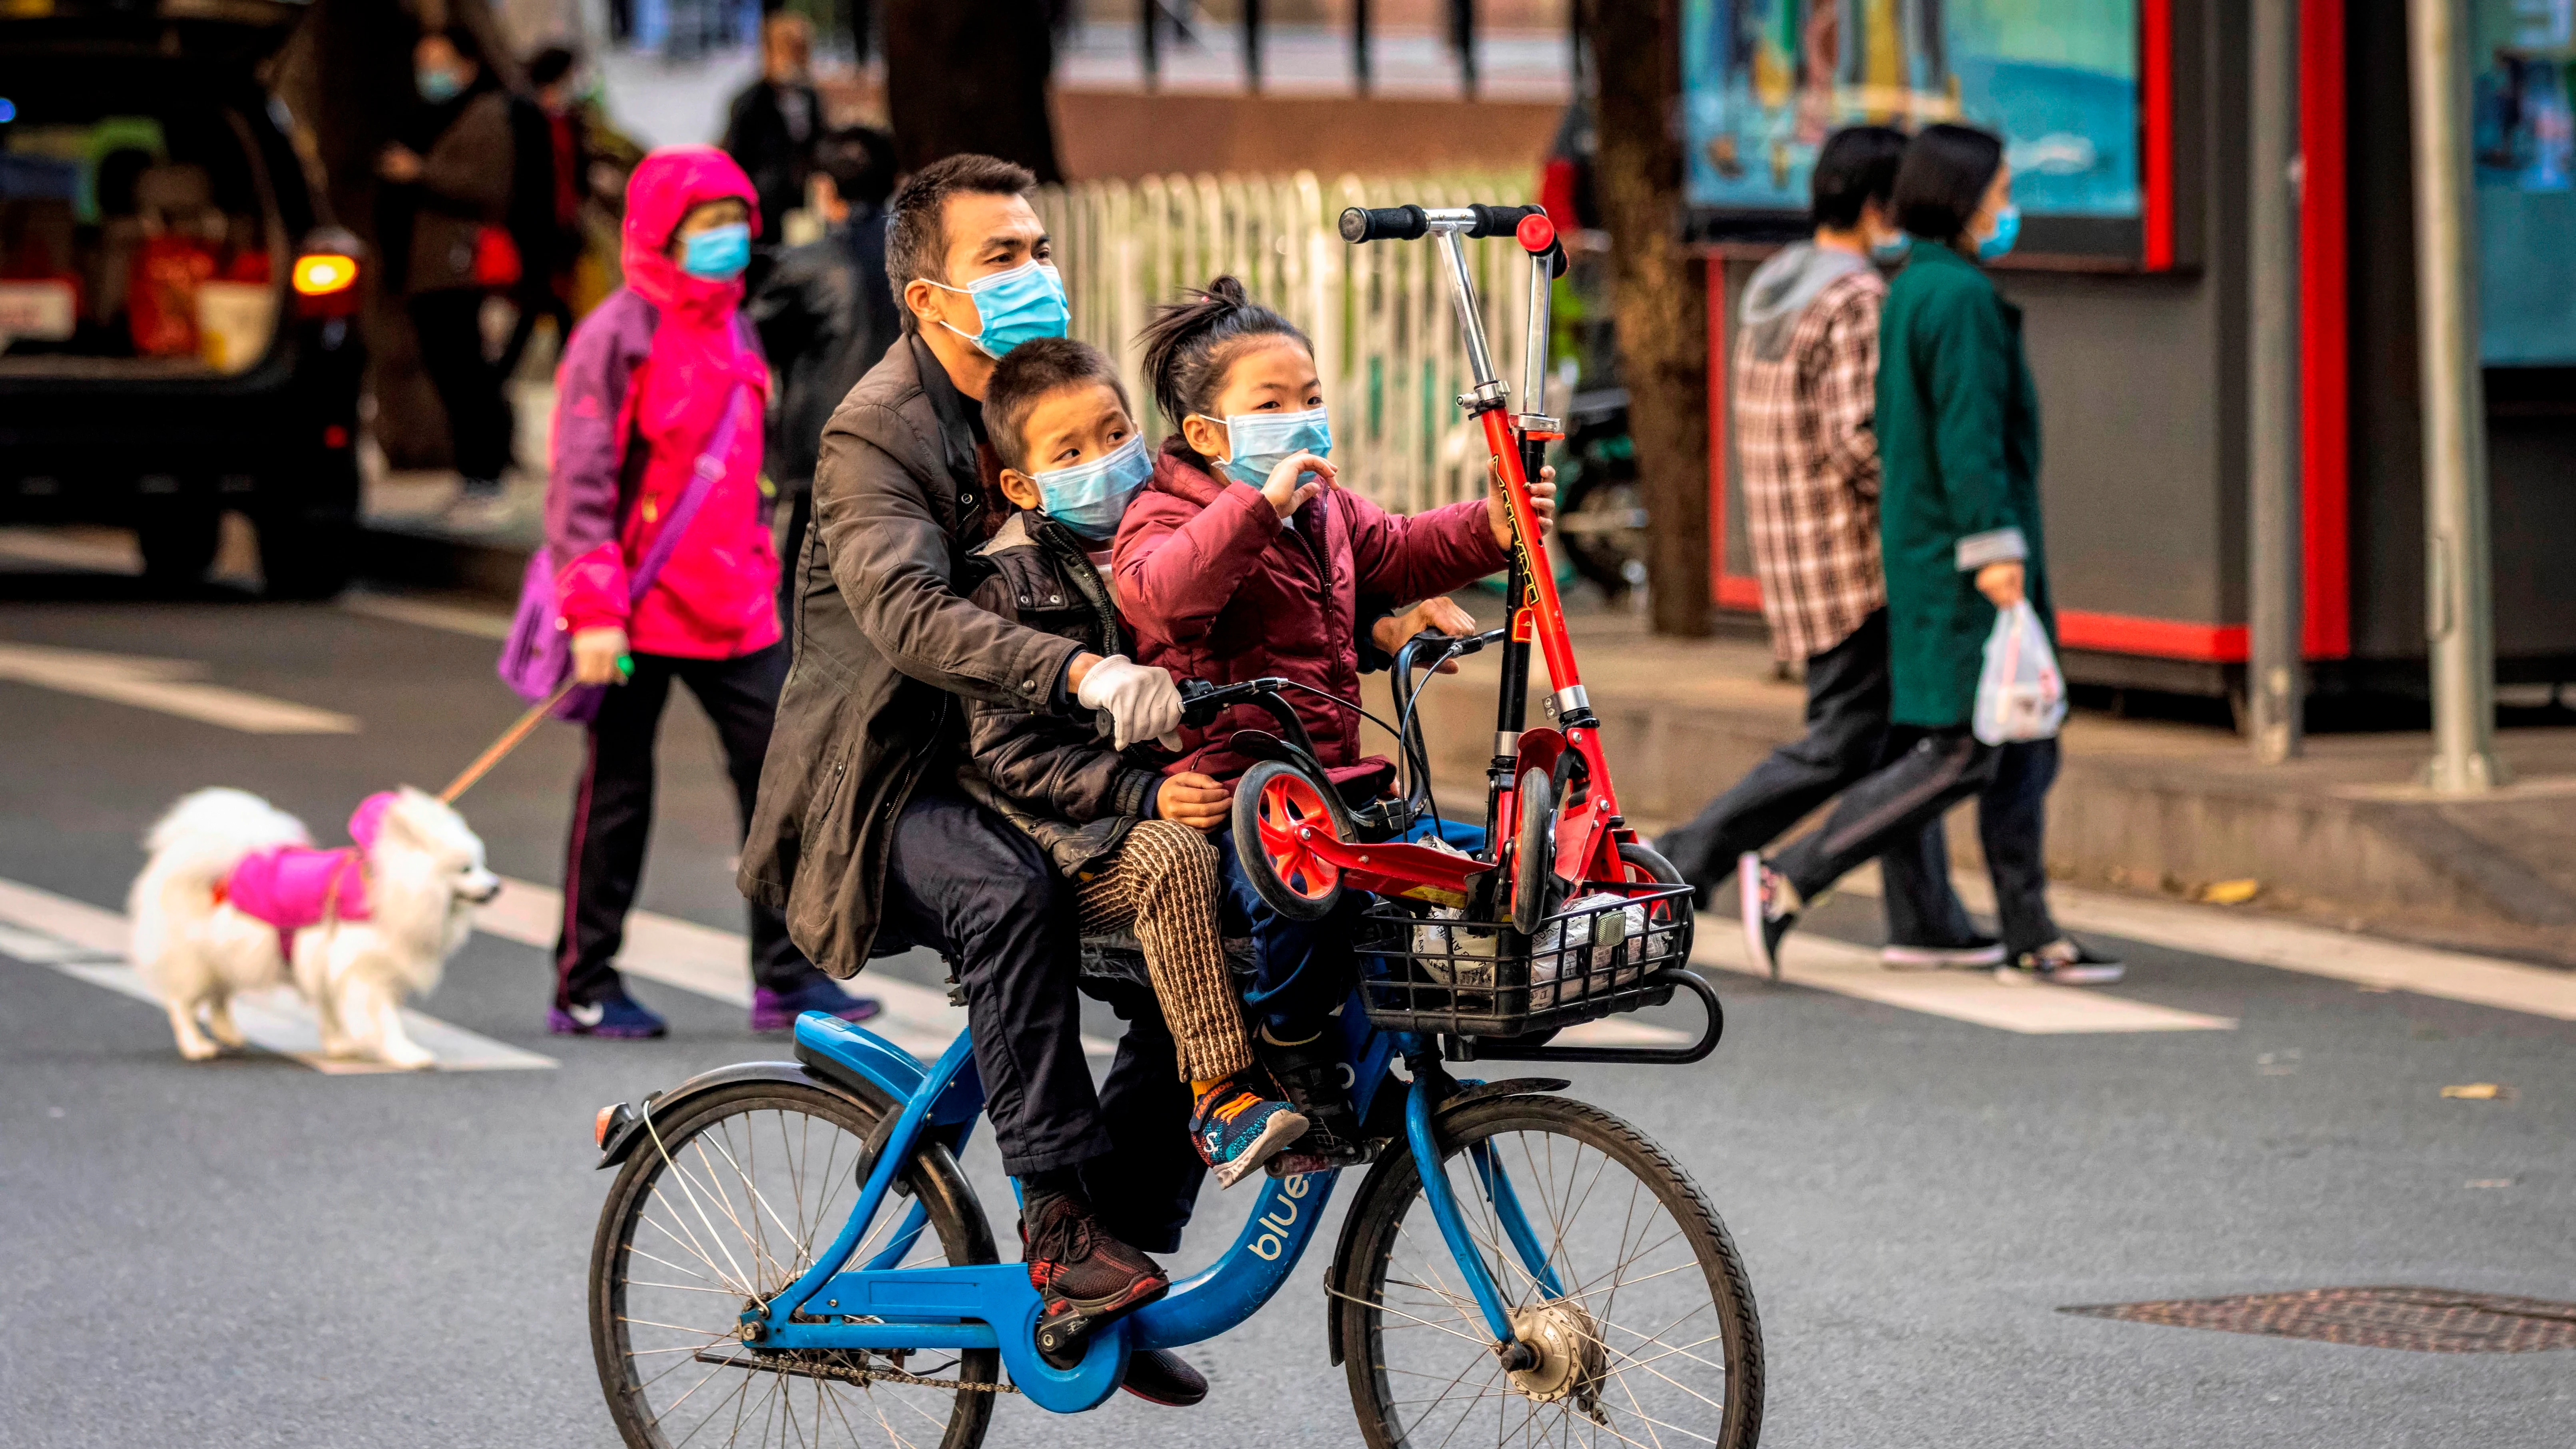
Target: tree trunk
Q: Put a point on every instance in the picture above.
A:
(1661, 297)
(970, 77)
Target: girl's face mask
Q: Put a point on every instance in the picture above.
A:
(1090, 498)
(2001, 239)
(717, 254)
(1016, 306)
(1256, 443)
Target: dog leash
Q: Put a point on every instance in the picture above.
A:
(509, 740)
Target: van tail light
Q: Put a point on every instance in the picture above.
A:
(326, 285)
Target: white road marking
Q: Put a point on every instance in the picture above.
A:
(428, 613)
(1807, 959)
(88, 942)
(716, 963)
(2236, 934)
(166, 685)
(107, 551)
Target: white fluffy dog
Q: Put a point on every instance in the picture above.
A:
(234, 889)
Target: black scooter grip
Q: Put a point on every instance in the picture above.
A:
(1499, 220)
(1384, 223)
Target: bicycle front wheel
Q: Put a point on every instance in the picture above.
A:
(1639, 1307)
(724, 1205)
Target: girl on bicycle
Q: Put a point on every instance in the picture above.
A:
(1243, 559)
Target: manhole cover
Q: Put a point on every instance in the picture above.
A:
(2426, 1320)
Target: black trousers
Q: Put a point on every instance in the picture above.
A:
(1848, 697)
(961, 881)
(791, 551)
(612, 813)
(449, 324)
(1933, 771)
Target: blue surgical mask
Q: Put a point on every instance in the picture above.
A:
(2007, 230)
(1016, 306)
(1891, 251)
(1259, 442)
(437, 86)
(717, 254)
(1090, 498)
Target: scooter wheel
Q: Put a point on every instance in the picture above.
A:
(1534, 853)
(1278, 811)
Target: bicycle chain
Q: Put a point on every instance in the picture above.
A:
(866, 1376)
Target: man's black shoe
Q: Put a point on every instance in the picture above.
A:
(1160, 1376)
(1084, 1277)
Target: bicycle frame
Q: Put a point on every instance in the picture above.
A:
(992, 1305)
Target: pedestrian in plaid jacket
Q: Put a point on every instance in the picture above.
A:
(1804, 381)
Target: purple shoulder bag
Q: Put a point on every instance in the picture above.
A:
(537, 657)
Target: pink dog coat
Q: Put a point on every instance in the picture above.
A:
(294, 886)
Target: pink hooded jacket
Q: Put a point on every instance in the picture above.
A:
(644, 379)
(294, 886)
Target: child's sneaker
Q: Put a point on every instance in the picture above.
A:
(1237, 1130)
(778, 1010)
(1310, 1076)
(620, 1017)
(1768, 906)
(1084, 1277)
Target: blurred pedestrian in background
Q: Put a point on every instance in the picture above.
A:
(773, 125)
(826, 313)
(1806, 366)
(1958, 438)
(453, 166)
(658, 412)
(548, 169)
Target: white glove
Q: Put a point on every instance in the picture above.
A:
(1141, 701)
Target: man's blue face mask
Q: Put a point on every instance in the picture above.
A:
(2007, 231)
(1016, 306)
(1891, 251)
(437, 86)
(1090, 498)
(717, 254)
(1256, 443)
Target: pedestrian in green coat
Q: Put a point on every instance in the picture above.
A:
(1959, 530)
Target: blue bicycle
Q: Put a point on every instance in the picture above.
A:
(789, 1253)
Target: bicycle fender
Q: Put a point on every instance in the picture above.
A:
(1335, 1283)
(622, 1139)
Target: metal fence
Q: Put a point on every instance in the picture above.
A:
(1386, 338)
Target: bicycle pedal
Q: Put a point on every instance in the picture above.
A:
(1064, 1338)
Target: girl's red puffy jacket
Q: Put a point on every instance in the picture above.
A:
(1216, 587)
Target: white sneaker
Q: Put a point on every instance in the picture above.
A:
(2062, 962)
(1977, 954)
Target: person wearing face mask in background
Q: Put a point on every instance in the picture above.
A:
(659, 402)
(862, 835)
(452, 172)
(1805, 370)
(1959, 529)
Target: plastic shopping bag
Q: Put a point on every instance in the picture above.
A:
(2020, 694)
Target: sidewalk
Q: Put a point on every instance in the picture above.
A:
(2341, 837)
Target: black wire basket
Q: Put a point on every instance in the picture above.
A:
(1424, 969)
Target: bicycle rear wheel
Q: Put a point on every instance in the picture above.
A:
(1651, 1338)
(727, 1203)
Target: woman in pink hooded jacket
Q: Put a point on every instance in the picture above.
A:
(661, 382)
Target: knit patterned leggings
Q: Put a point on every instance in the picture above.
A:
(1162, 884)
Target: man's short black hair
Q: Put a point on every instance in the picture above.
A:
(550, 65)
(917, 243)
(1858, 164)
(1025, 375)
(1944, 179)
(860, 160)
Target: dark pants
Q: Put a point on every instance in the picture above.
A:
(961, 881)
(791, 552)
(1848, 696)
(1303, 969)
(1932, 772)
(612, 813)
(449, 324)
(536, 301)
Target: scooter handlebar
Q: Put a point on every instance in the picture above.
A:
(1410, 223)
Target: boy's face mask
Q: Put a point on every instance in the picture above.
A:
(1016, 306)
(1090, 498)
(1258, 442)
(717, 254)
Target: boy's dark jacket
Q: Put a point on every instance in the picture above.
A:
(1050, 774)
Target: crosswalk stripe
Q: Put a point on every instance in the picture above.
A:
(2237, 934)
(167, 685)
(716, 963)
(88, 943)
(1807, 959)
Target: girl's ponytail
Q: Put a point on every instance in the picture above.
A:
(1190, 343)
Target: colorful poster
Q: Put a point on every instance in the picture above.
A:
(2523, 137)
(1765, 81)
